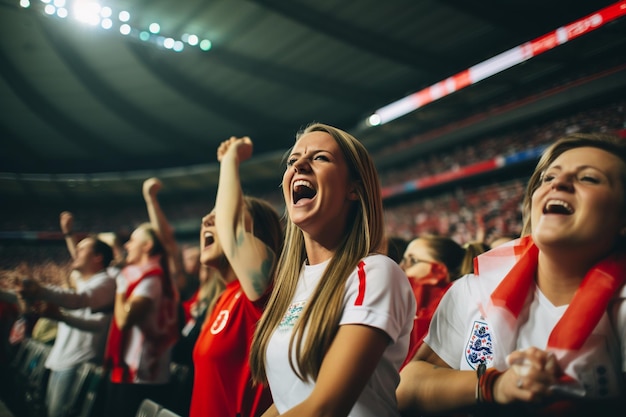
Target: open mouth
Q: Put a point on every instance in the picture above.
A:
(302, 190)
(558, 207)
(208, 239)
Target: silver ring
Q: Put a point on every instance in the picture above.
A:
(519, 383)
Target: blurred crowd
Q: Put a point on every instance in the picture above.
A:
(433, 235)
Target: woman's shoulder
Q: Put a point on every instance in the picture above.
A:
(382, 265)
(380, 259)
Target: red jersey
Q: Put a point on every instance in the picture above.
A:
(222, 384)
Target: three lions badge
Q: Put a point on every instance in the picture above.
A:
(479, 347)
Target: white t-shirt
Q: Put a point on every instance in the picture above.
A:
(384, 301)
(140, 354)
(84, 335)
(599, 363)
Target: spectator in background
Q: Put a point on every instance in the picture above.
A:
(9, 313)
(241, 238)
(472, 250)
(199, 306)
(396, 246)
(144, 327)
(432, 263)
(191, 269)
(113, 240)
(540, 329)
(337, 326)
(66, 220)
(83, 323)
(172, 255)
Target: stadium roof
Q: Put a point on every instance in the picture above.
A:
(88, 111)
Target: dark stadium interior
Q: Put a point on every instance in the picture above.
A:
(88, 114)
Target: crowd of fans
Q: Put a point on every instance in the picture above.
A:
(464, 214)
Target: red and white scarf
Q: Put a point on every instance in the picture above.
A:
(510, 300)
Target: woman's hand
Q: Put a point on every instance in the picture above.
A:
(243, 147)
(530, 378)
(66, 221)
(151, 187)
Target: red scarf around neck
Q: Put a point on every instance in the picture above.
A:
(512, 295)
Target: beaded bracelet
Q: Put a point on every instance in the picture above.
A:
(486, 381)
(480, 371)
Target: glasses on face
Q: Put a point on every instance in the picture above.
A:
(409, 261)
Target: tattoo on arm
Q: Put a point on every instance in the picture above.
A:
(240, 237)
(261, 278)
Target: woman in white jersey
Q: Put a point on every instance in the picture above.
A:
(540, 327)
(337, 326)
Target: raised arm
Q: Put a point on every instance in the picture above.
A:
(66, 221)
(93, 323)
(97, 295)
(164, 230)
(249, 257)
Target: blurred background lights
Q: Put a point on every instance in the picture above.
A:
(168, 43)
(94, 14)
(374, 120)
(124, 16)
(205, 44)
(87, 12)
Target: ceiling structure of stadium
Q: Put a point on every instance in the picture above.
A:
(95, 97)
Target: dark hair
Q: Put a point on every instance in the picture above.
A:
(158, 249)
(447, 251)
(266, 223)
(396, 246)
(103, 249)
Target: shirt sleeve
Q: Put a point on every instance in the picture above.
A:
(446, 332)
(378, 294)
(97, 294)
(91, 323)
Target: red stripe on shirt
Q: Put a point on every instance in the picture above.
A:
(361, 294)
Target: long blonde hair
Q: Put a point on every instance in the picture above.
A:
(322, 312)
